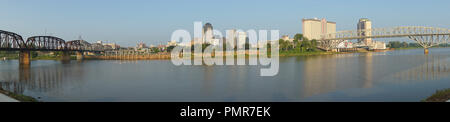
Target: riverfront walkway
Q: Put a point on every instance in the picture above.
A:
(4, 98)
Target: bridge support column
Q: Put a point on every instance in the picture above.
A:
(80, 55)
(426, 51)
(24, 58)
(65, 56)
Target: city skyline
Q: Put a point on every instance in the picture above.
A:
(152, 22)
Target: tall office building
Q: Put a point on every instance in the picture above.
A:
(316, 28)
(242, 39)
(364, 27)
(207, 33)
(231, 37)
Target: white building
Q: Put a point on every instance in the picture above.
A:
(379, 45)
(345, 44)
(172, 43)
(286, 38)
(112, 45)
(215, 42)
(316, 28)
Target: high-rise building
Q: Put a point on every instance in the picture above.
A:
(207, 33)
(242, 39)
(316, 28)
(364, 27)
(231, 37)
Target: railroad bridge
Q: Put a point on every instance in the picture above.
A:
(10, 41)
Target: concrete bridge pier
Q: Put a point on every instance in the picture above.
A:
(65, 56)
(80, 55)
(24, 58)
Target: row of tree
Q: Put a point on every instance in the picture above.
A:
(299, 44)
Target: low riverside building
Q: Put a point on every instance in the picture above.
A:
(286, 38)
(377, 45)
(113, 45)
(172, 43)
(345, 44)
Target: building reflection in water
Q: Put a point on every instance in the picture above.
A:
(319, 75)
(367, 66)
(323, 74)
(208, 80)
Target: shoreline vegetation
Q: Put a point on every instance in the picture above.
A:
(167, 56)
(439, 96)
(18, 97)
(35, 56)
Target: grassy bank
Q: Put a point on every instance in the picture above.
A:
(439, 96)
(9, 57)
(19, 97)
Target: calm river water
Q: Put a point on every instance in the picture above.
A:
(402, 75)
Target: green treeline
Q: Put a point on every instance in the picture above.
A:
(299, 44)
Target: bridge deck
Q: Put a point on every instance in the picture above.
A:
(383, 36)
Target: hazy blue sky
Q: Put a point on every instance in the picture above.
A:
(153, 21)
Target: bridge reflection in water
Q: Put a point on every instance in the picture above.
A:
(435, 68)
(44, 79)
(325, 74)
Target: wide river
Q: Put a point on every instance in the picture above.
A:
(402, 75)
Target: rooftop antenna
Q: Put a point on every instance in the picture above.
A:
(47, 34)
(79, 37)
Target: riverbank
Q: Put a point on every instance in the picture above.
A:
(130, 57)
(167, 56)
(405, 48)
(439, 96)
(16, 97)
(4, 98)
(291, 53)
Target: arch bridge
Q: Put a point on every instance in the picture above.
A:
(427, 37)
